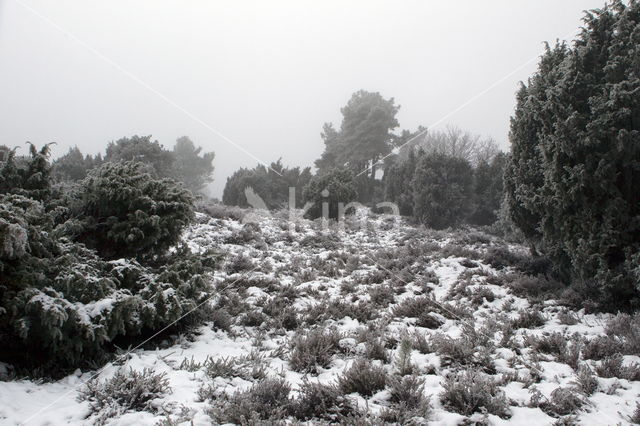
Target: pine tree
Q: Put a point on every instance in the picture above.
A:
(364, 138)
(190, 166)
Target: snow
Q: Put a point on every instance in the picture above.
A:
(37, 403)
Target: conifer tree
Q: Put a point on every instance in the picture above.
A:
(442, 189)
(336, 189)
(572, 181)
(191, 166)
(125, 212)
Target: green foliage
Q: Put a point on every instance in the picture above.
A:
(574, 171)
(442, 190)
(335, 189)
(125, 212)
(265, 187)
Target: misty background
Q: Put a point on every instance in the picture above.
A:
(267, 75)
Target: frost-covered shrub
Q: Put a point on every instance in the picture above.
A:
(253, 318)
(321, 401)
(408, 401)
(313, 350)
(442, 190)
(124, 212)
(382, 295)
(407, 390)
(463, 351)
(567, 317)
(375, 349)
(221, 211)
(363, 377)
(62, 305)
(528, 318)
(501, 257)
(403, 363)
(334, 188)
(563, 402)
(128, 390)
(419, 307)
(635, 418)
(585, 380)
(533, 287)
(67, 310)
(239, 263)
(552, 343)
(470, 391)
(222, 367)
(601, 347)
(566, 349)
(625, 328)
(265, 401)
(221, 320)
(338, 309)
(613, 367)
(577, 95)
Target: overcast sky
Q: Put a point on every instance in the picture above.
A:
(265, 74)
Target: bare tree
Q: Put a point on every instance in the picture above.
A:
(458, 143)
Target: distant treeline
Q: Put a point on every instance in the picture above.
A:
(185, 163)
(441, 178)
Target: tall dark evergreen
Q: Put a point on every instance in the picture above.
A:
(398, 182)
(487, 190)
(442, 190)
(573, 178)
(524, 174)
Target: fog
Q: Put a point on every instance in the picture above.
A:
(255, 81)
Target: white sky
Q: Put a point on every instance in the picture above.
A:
(266, 74)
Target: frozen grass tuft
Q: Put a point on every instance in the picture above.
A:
(363, 377)
(471, 391)
(313, 350)
(125, 391)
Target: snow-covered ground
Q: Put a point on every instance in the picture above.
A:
(378, 264)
